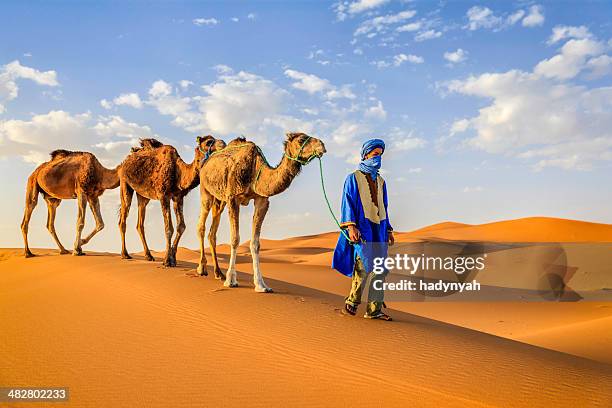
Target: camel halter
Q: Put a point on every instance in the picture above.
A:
(297, 156)
(207, 153)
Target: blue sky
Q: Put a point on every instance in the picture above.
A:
(491, 110)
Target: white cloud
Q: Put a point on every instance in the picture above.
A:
(534, 18)
(363, 5)
(223, 69)
(415, 170)
(403, 144)
(313, 84)
(571, 60)
(14, 71)
(398, 60)
(427, 35)
(599, 66)
(163, 98)
(32, 140)
(538, 115)
(235, 19)
(251, 16)
(307, 82)
(106, 104)
(358, 51)
(481, 17)
(409, 27)
(205, 21)
(345, 8)
(342, 92)
(456, 57)
(239, 103)
(377, 111)
(515, 17)
(563, 32)
(185, 83)
(373, 26)
(160, 88)
(129, 99)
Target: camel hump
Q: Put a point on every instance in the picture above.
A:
(148, 143)
(239, 139)
(61, 153)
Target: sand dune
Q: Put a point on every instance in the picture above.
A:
(532, 229)
(131, 333)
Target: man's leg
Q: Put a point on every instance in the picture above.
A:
(376, 297)
(359, 279)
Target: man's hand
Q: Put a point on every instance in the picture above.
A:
(354, 233)
(390, 238)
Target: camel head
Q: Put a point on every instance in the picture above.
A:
(303, 148)
(206, 145)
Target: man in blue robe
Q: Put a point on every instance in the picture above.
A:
(366, 222)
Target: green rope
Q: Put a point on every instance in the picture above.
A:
(329, 205)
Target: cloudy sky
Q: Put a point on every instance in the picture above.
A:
(490, 110)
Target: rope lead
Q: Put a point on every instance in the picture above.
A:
(329, 205)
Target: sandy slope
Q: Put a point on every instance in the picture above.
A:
(532, 229)
(130, 333)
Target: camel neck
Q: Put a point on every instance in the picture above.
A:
(188, 174)
(275, 180)
(110, 178)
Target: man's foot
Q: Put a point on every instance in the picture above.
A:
(378, 316)
(349, 310)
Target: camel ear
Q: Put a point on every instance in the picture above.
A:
(199, 139)
(290, 136)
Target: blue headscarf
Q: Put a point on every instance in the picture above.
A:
(372, 164)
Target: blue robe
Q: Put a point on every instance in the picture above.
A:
(372, 223)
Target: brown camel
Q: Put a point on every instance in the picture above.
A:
(238, 174)
(68, 175)
(156, 172)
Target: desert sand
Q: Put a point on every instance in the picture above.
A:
(131, 333)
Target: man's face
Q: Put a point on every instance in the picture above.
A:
(376, 152)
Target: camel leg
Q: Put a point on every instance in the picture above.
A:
(94, 205)
(217, 209)
(180, 224)
(259, 214)
(206, 201)
(52, 204)
(82, 206)
(165, 206)
(142, 211)
(126, 202)
(30, 204)
(234, 217)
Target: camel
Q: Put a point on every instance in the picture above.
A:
(238, 174)
(68, 175)
(156, 172)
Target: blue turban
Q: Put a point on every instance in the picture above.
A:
(371, 165)
(370, 145)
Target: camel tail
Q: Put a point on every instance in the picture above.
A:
(32, 188)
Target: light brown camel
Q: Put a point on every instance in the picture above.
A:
(68, 175)
(156, 172)
(238, 174)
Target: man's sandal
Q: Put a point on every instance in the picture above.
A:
(349, 310)
(379, 316)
